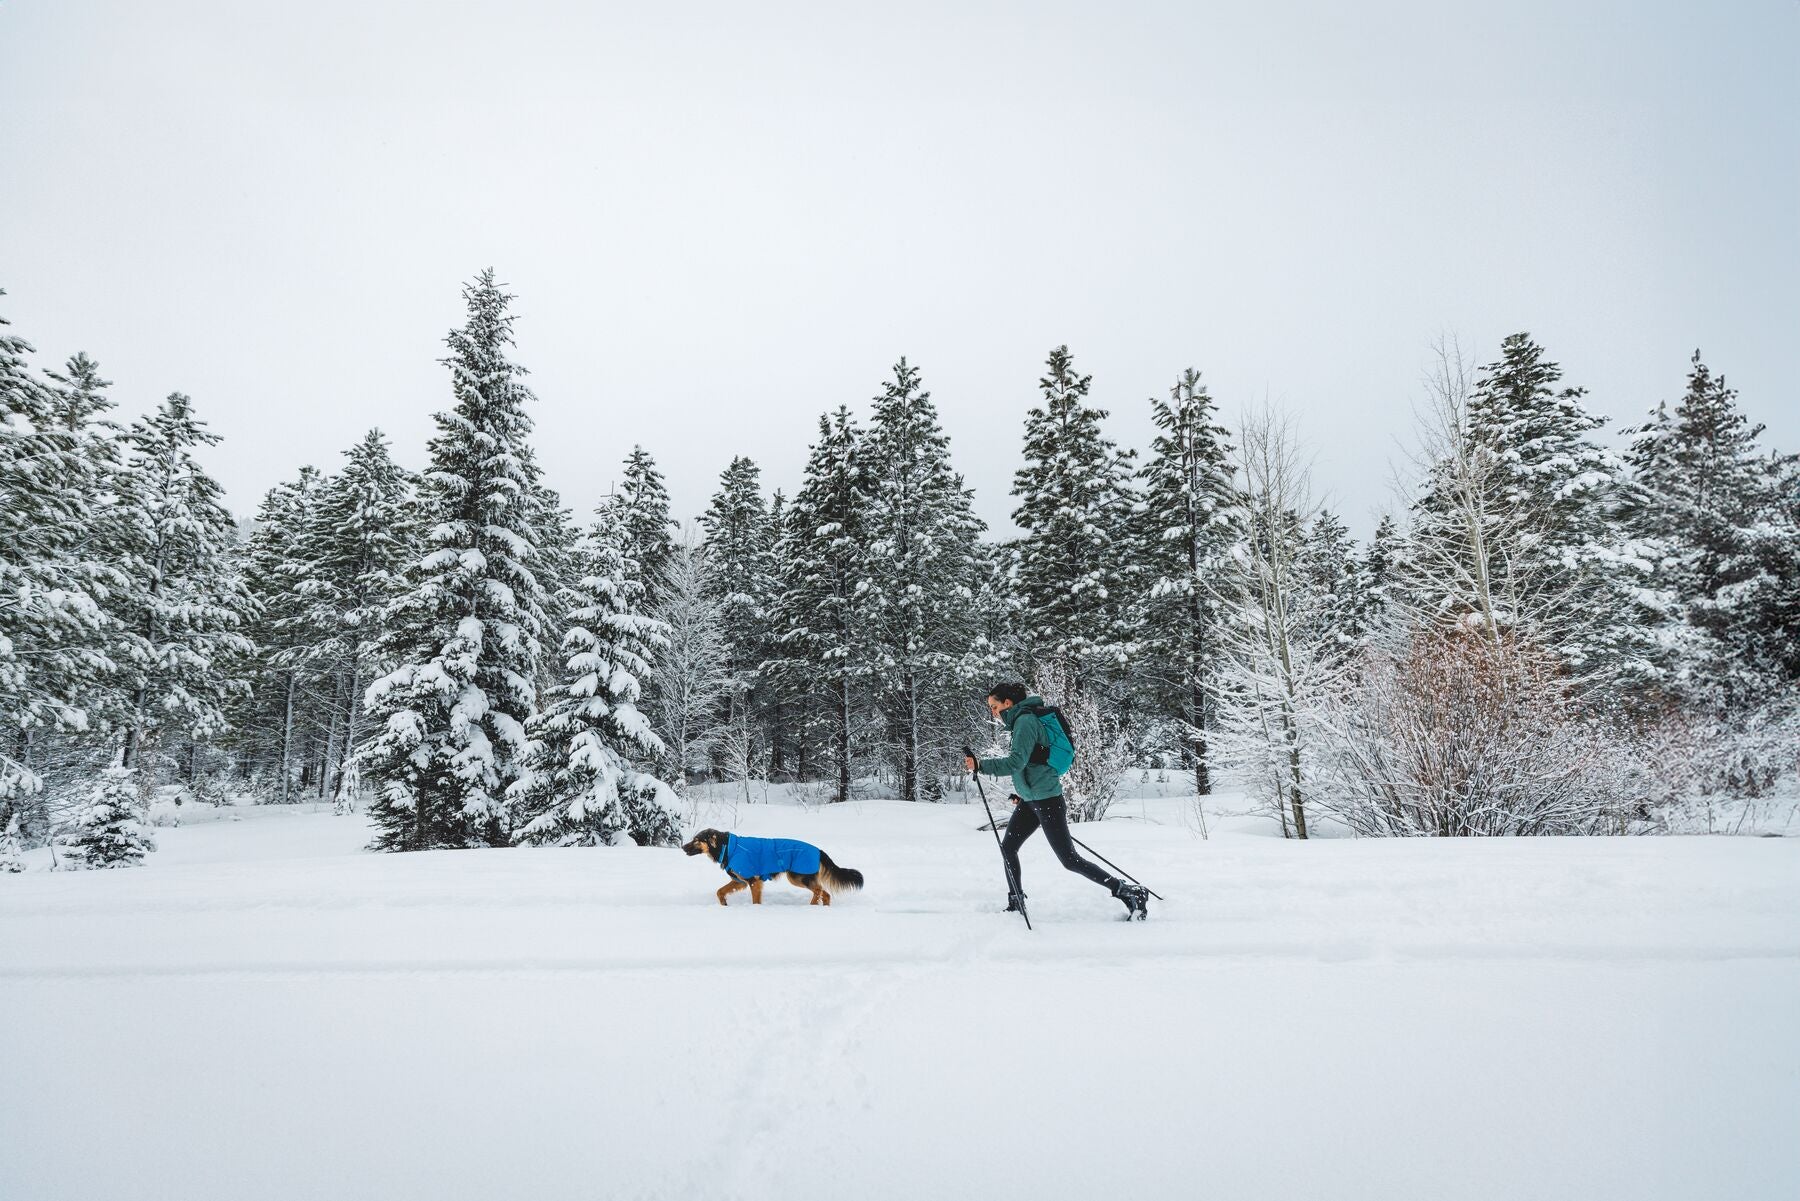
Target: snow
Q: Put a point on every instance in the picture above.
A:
(264, 1010)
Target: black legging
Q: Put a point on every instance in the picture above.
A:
(1053, 816)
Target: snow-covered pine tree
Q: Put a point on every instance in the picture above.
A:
(1186, 528)
(822, 564)
(1711, 504)
(692, 677)
(1378, 571)
(587, 785)
(465, 633)
(1570, 562)
(109, 831)
(783, 695)
(53, 565)
(359, 542)
(1075, 503)
(1327, 569)
(917, 596)
(558, 572)
(741, 574)
(1517, 529)
(180, 612)
(277, 718)
(648, 542)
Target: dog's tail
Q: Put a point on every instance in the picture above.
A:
(838, 878)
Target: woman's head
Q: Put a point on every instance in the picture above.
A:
(1002, 697)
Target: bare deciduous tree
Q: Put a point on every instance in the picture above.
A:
(1274, 679)
(692, 677)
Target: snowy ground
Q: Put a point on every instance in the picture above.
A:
(264, 1012)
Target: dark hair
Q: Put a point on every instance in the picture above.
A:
(1008, 692)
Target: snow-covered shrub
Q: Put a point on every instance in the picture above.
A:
(1102, 742)
(1455, 733)
(167, 804)
(109, 831)
(11, 853)
(1709, 775)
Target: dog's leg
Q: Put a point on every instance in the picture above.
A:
(809, 883)
(756, 892)
(734, 886)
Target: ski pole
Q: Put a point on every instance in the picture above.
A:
(1012, 883)
(1102, 858)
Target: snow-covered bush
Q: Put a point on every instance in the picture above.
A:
(1714, 774)
(11, 852)
(1102, 742)
(1455, 734)
(109, 831)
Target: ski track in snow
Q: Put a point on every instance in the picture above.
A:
(1496, 1019)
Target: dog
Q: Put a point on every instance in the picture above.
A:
(760, 859)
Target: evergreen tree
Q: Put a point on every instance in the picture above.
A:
(54, 565)
(109, 831)
(648, 542)
(1187, 525)
(1530, 508)
(1710, 503)
(1075, 507)
(917, 596)
(587, 786)
(557, 568)
(822, 565)
(1379, 570)
(782, 694)
(180, 611)
(741, 577)
(79, 411)
(359, 542)
(737, 527)
(1326, 568)
(465, 634)
(277, 715)
(1565, 490)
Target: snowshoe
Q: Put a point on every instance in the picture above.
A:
(1137, 901)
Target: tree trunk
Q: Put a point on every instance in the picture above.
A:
(287, 740)
(329, 756)
(777, 746)
(350, 712)
(421, 801)
(134, 739)
(842, 736)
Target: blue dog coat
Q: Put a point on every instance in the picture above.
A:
(759, 858)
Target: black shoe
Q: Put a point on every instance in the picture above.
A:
(1015, 901)
(1137, 901)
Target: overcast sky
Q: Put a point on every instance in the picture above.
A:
(721, 220)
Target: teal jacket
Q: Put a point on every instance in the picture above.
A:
(1032, 781)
